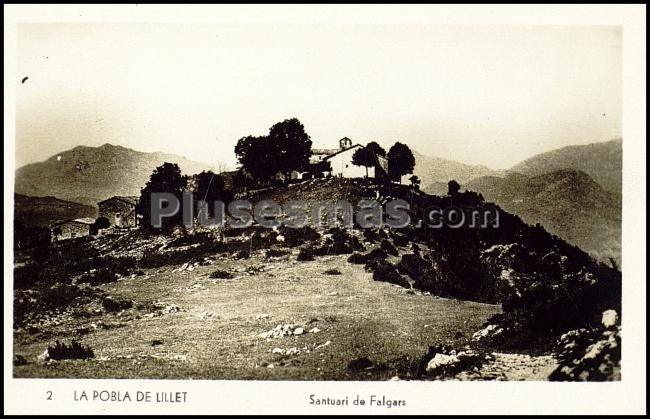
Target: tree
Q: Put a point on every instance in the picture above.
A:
(400, 161)
(363, 157)
(165, 178)
(99, 224)
(453, 188)
(367, 156)
(257, 157)
(375, 149)
(210, 187)
(291, 146)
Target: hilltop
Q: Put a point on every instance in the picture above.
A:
(90, 174)
(603, 162)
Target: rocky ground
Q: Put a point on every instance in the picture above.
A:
(271, 318)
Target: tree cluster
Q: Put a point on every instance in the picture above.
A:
(286, 148)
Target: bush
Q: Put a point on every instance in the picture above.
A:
(73, 351)
(340, 243)
(386, 272)
(276, 253)
(112, 305)
(294, 237)
(375, 254)
(306, 254)
(332, 272)
(221, 274)
(388, 247)
(98, 277)
(359, 364)
(400, 239)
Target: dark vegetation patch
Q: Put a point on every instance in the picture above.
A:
(359, 364)
(306, 254)
(19, 360)
(294, 237)
(388, 247)
(72, 351)
(386, 272)
(276, 253)
(113, 305)
(373, 255)
(221, 274)
(333, 271)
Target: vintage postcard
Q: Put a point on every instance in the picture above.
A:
(324, 209)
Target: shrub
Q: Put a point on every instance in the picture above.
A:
(73, 351)
(98, 277)
(399, 239)
(297, 236)
(386, 272)
(388, 247)
(375, 254)
(221, 274)
(112, 305)
(306, 254)
(359, 364)
(332, 272)
(276, 253)
(340, 242)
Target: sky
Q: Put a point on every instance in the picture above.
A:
(488, 95)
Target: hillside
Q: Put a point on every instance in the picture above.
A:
(324, 303)
(436, 171)
(567, 203)
(601, 161)
(42, 211)
(91, 174)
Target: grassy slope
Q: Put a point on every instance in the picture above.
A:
(364, 319)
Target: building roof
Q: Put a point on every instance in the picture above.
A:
(85, 220)
(131, 200)
(342, 151)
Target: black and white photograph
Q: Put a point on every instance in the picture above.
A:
(330, 199)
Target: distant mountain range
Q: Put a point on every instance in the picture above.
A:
(603, 162)
(574, 192)
(435, 171)
(43, 211)
(91, 174)
(567, 203)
